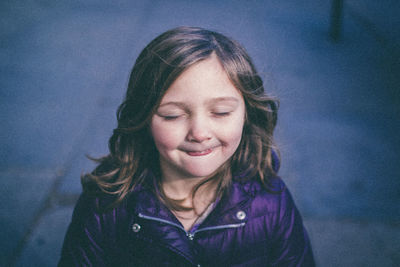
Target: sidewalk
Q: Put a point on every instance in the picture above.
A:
(64, 68)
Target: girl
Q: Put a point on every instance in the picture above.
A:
(191, 178)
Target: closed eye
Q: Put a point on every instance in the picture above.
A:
(221, 114)
(170, 118)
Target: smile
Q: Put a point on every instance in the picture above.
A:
(199, 153)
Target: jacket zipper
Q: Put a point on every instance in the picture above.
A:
(189, 234)
(234, 225)
(161, 220)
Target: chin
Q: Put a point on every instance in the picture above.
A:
(200, 172)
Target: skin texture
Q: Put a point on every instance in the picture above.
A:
(198, 125)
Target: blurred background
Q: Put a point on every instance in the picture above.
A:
(64, 67)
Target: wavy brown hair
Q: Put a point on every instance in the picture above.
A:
(133, 158)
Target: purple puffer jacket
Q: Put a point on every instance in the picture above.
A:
(248, 227)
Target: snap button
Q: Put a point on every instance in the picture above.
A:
(136, 227)
(241, 215)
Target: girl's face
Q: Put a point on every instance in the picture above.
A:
(199, 123)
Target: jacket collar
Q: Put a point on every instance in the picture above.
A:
(231, 211)
(232, 208)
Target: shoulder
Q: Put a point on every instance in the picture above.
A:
(272, 200)
(93, 232)
(96, 212)
(89, 203)
(274, 218)
(273, 207)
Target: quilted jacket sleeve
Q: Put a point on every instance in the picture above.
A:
(83, 243)
(291, 243)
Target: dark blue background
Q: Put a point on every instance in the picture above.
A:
(64, 68)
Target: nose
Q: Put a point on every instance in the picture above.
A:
(199, 130)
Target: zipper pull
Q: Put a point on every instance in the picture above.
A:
(190, 236)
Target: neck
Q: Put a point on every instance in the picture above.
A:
(182, 189)
(178, 188)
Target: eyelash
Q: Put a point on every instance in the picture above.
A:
(170, 118)
(216, 114)
(221, 114)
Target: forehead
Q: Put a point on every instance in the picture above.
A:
(203, 81)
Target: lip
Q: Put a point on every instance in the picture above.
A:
(199, 153)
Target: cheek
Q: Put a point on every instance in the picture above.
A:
(232, 134)
(165, 138)
(235, 138)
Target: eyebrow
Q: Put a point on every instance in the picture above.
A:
(210, 101)
(224, 98)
